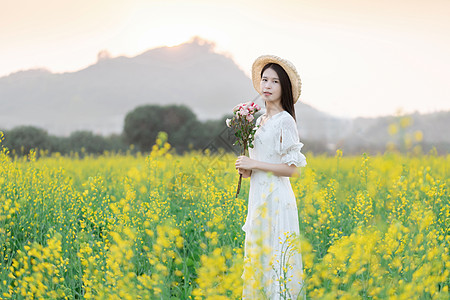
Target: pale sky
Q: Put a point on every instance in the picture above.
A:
(355, 57)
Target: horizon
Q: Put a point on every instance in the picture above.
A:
(393, 59)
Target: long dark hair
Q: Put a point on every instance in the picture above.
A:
(287, 101)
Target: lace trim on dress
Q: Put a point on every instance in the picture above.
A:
(293, 156)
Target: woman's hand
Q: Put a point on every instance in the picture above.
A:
(243, 162)
(245, 173)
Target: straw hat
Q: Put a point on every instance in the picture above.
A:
(263, 60)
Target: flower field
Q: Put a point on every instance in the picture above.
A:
(165, 226)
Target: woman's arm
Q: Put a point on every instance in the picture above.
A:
(243, 162)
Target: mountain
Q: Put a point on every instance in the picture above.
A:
(98, 97)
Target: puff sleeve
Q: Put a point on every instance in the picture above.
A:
(289, 146)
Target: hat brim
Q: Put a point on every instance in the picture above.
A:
(263, 60)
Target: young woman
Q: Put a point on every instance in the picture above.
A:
(273, 263)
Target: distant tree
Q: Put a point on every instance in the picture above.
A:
(86, 141)
(143, 124)
(59, 144)
(22, 139)
(116, 143)
(216, 135)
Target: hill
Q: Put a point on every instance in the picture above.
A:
(98, 97)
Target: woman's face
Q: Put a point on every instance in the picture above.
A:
(270, 86)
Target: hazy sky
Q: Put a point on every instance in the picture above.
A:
(355, 57)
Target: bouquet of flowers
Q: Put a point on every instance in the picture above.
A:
(244, 128)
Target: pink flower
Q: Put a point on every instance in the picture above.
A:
(255, 106)
(228, 121)
(237, 107)
(243, 111)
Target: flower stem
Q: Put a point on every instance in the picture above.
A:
(239, 185)
(243, 152)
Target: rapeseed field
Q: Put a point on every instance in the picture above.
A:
(165, 226)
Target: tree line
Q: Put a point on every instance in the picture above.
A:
(141, 127)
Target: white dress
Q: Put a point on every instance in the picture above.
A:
(273, 263)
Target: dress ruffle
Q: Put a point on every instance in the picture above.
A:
(294, 156)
